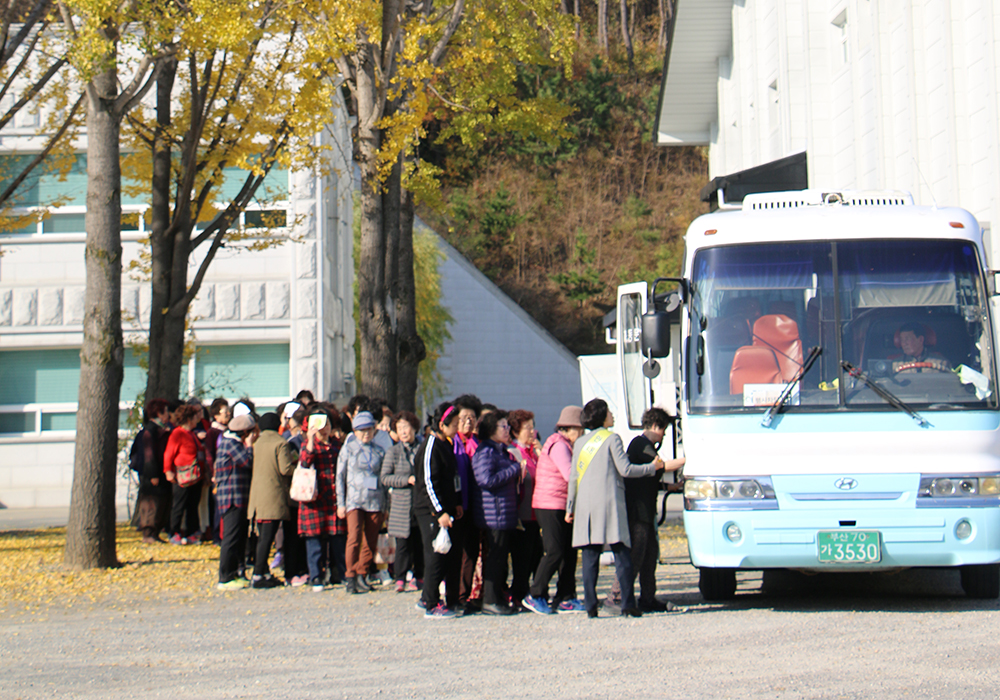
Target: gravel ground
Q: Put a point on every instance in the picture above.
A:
(785, 636)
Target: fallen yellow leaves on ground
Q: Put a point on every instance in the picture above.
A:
(673, 541)
(34, 580)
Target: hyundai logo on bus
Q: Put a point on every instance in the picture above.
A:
(846, 484)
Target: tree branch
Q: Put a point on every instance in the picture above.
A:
(137, 89)
(37, 12)
(441, 49)
(6, 195)
(30, 93)
(221, 223)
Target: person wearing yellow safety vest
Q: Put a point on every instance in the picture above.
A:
(595, 503)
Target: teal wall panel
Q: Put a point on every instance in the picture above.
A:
(242, 370)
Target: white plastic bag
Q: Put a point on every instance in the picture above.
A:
(442, 543)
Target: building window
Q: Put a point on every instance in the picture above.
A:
(265, 218)
(841, 54)
(38, 388)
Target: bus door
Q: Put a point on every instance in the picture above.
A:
(633, 385)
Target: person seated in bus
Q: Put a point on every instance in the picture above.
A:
(912, 338)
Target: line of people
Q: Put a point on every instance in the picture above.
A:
(514, 510)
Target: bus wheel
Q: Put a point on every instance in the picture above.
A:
(717, 584)
(981, 581)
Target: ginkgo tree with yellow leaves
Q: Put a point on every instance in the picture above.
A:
(403, 61)
(95, 31)
(246, 90)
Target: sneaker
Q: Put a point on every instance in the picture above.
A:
(278, 562)
(265, 582)
(414, 584)
(571, 606)
(235, 585)
(400, 586)
(317, 584)
(177, 539)
(297, 581)
(439, 613)
(537, 605)
(421, 605)
(195, 538)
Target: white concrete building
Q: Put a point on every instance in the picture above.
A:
(265, 324)
(879, 94)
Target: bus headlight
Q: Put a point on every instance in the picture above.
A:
(699, 489)
(989, 486)
(729, 493)
(947, 490)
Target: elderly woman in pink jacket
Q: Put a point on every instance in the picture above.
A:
(549, 501)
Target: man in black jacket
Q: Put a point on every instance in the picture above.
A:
(640, 505)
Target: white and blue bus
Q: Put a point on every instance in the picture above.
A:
(835, 371)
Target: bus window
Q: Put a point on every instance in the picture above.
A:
(751, 309)
(630, 340)
(907, 312)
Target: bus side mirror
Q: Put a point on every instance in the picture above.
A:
(656, 334)
(992, 279)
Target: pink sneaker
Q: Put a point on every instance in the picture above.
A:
(414, 584)
(297, 581)
(400, 586)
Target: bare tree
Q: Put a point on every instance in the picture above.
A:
(602, 26)
(626, 35)
(666, 8)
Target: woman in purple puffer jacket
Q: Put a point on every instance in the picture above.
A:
(549, 501)
(497, 474)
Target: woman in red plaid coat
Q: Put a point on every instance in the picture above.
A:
(318, 522)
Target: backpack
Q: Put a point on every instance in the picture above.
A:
(137, 455)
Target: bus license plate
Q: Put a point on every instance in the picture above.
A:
(849, 546)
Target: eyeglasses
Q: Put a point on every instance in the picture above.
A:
(503, 426)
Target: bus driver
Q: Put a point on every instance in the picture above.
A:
(916, 356)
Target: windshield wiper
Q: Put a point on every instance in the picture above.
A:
(775, 408)
(886, 395)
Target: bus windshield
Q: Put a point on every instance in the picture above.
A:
(908, 313)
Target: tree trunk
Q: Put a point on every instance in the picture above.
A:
(602, 25)
(391, 197)
(576, 13)
(376, 340)
(163, 378)
(661, 35)
(90, 534)
(626, 35)
(411, 348)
